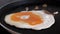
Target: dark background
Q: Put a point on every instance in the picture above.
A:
(4, 2)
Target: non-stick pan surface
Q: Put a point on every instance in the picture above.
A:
(20, 6)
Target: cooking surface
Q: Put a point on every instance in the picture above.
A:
(4, 2)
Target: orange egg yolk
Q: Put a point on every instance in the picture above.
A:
(27, 17)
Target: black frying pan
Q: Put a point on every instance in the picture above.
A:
(20, 6)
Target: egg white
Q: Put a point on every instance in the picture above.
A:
(48, 21)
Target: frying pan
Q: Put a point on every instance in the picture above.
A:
(20, 6)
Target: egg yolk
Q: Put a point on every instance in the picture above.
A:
(27, 17)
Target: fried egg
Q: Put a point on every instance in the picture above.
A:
(36, 20)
